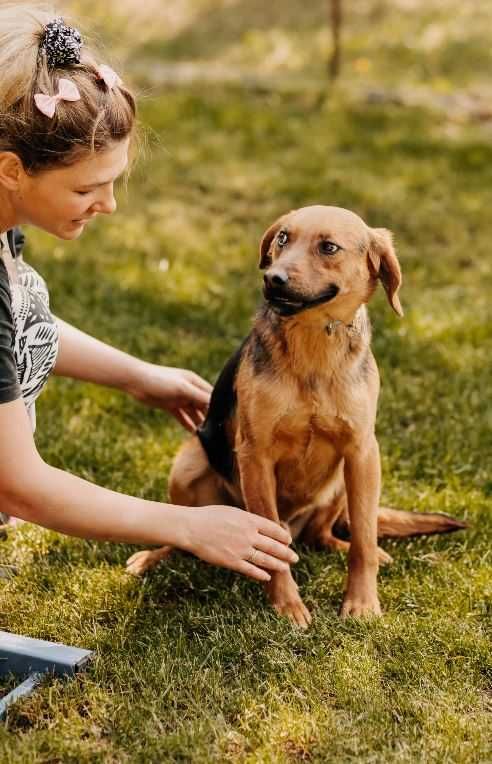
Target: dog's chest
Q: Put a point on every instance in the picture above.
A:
(325, 413)
(306, 452)
(307, 447)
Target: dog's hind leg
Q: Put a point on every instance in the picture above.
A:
(319, 531)
(328, 526)
(192, 483)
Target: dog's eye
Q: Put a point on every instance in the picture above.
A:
(327, 247)
(282, 238)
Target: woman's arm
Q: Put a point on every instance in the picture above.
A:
(34, 491)
(180, 392)
(83, 357)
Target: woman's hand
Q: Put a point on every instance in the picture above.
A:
(182, 393)
(239, 540)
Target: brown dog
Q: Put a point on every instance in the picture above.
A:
(290, 429)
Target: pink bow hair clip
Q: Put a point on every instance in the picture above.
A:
(67, 91)
(111, 79)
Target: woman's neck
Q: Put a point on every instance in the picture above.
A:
(8, 216)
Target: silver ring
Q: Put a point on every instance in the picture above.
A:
(251, 557)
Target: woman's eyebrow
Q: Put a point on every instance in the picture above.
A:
(96, 185)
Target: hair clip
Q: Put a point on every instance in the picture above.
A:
(111, 79)
(67, 91)
(61, 44)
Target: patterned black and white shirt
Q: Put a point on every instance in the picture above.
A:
(28, 330)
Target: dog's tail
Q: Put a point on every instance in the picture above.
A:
(396, 523)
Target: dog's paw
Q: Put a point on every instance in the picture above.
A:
(288, 603)
(295, 610)
(383, 557)
(140, 562)
(283, 594)
(360, 606)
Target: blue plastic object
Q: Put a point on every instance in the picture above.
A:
(34, 658)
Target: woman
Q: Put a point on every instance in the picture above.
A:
(67, 122)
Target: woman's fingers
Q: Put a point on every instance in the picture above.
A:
(185, 419)
(190, 418)
(195, 379)
(275, 549)
(196, 415)
(247, 569)
(263, 560)
(227, 536)
(197, 395)
(273, 530)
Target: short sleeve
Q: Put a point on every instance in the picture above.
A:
(16, 240)
(9, 386)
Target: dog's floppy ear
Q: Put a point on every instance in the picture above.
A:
(268, 237)
(384, 265)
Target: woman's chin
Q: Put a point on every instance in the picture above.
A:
(71, 230)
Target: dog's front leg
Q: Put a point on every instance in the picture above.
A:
(362, 479)
(258, 487)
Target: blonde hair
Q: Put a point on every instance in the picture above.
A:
(101, 116)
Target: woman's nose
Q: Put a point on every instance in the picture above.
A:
(106, 204)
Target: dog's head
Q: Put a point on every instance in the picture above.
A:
(318, 255)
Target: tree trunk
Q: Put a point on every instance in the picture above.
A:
(336, 27)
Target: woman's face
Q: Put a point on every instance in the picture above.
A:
(63, 200)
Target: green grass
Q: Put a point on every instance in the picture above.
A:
(191, 665)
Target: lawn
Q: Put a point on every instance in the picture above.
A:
(191, 665)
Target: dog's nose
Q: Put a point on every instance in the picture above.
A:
(275, 279)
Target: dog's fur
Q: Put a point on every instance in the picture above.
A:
(290, 430)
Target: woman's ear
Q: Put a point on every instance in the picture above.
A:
(384, 265)
(268, 237)
(11, 170)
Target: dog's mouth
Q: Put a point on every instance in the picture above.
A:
(286, 304)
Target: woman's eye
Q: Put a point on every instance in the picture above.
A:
(282, 239)
(327, 247)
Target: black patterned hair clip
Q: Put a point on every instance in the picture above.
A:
(61, 44)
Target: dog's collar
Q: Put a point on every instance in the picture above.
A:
(333, 325)
(330, 327)
(358, 325)
(288, 310)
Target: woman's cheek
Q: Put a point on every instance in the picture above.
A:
(79, 206)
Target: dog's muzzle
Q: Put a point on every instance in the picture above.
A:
(288, 304)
